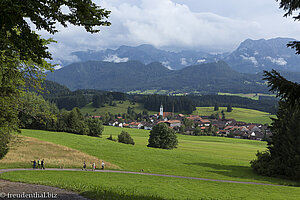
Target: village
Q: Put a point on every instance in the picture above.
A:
(197, 125)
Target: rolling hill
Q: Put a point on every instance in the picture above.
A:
(196, 156)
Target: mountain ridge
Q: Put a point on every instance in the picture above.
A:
(134, 75)
(251, 56)
(254, 56)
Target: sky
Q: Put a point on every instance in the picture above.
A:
(214, 26)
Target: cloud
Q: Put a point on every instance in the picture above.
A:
(183, 61)
(57, 67)
(187, 24)
(167, 65)
(61, 54)
(115, 59)
(201, 61)
(277, 61)
(251, 59)
(164, 23)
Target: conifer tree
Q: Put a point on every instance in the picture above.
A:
(282, 157)
(229, 108)
(216, 108)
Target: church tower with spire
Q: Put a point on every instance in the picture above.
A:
(161, 110)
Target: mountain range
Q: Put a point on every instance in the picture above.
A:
(134, 75)
(252, 56)
(146, 68)
(147, 54)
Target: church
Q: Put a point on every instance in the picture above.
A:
(164, 114)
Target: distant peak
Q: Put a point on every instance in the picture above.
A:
(281, 38)
(146, 47)
(247, 41)
(124, 47)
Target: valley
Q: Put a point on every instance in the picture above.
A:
(150, 100)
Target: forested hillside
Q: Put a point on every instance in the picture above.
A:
(67, 99)
(133, 75)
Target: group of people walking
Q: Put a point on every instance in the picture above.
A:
(93, 166)
(39, 164)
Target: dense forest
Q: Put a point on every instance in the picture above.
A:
(179, 104)
(266, 104)
(67, 99)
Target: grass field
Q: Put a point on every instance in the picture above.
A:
(206, 157)
(239, 114)
(196, 156)
(160, 92)
(124, 186)
(119, 108)
(254, 96)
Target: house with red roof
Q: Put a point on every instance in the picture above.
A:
(171, 123)
(136, 125)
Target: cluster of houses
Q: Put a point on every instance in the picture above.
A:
(233, 128)
(221, 127)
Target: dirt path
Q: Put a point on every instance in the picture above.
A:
(147, 174)
(9, 189)
(33, 191)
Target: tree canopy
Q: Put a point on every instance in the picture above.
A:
(23, 51)
(95, 127)
(161, 136)
(16, 32)
(35, 112)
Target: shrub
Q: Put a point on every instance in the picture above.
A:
(125, 138)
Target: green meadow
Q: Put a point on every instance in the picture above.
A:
(120, 108)
(160, 92)
(254, 96)
(97, 185)
(239, 114)
(196, 156)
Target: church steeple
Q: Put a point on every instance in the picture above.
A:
(161, 110)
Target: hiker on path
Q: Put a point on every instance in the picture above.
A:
(93, 166)
(84, 166)
(34, 164)
(102, 165)
(42, 164)
(39, 163)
